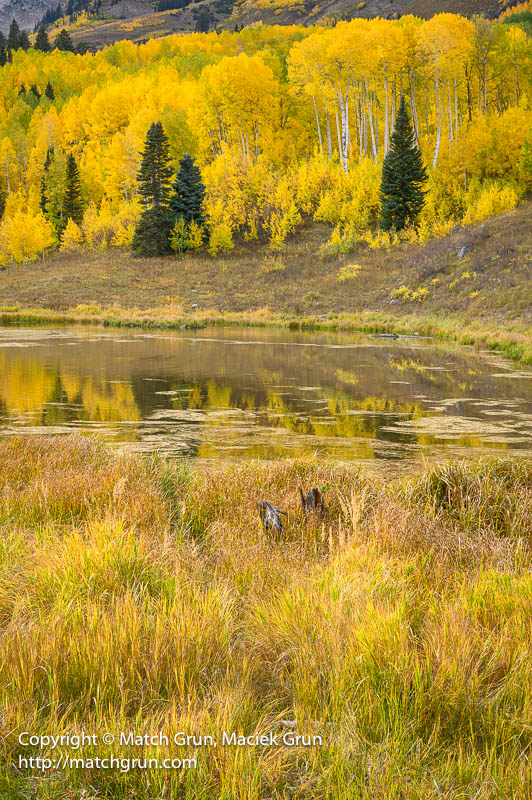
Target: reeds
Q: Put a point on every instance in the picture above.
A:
(137, 594)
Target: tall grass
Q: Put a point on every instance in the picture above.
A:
(139, 595)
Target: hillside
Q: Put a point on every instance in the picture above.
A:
(477, 279)
(103, 22)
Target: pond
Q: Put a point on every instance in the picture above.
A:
(228, 394)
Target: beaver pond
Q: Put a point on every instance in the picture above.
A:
(227, 394)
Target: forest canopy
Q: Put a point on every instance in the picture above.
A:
(286, 123)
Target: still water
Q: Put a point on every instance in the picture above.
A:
(220, 395)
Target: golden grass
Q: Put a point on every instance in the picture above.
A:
(137, 595)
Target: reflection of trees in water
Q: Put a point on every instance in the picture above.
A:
(308, 391)
(28, 384)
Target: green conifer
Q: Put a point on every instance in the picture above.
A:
(72, 206)
(13, 40)
(188, 193)
(49, 91)
(152, 235)
(42, 42)
(24, 41)
(403, 177)
(63, 41)
(44, 192)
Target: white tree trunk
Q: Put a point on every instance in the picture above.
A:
(318, 123)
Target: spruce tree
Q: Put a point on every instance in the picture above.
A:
(42, 42)
(13, 40)
(403, 177)
(152, 235)
(44, 189)
(189, 193)
(49, 91)
(72, 207)
(24, 41)
(63, 41)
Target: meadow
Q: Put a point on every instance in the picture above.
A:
(138, 595)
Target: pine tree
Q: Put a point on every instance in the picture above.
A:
(24, 41)
(152, 235)
(49, 91)
(13, 40)
(44, 176)
(42, 42)
(63, 41)
(403, 177)
(189, 193)
(72, 207)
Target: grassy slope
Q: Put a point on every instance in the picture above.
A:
(135, 596)
(485, 296)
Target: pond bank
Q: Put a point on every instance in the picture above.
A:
(515, 341)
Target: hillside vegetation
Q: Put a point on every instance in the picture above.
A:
(136, 596)
(473, 285)
(97, 23)
(287, 124)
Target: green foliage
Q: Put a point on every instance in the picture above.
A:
(152, 235)
(403, 176)
(155, 170)
(64, 41)
(178, 236)
(13, 40)
(42, 41)
(73, 208)
(523, 19)
(53, 188)
(189, 192)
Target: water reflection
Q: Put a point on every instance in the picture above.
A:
(232, 394)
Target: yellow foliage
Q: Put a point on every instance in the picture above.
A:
(23, 236)
(220, 239)
(349, 272)
(196, 236)
(492, 200)
(285, 122)
(72, 237)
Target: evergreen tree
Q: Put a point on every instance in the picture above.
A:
(72, 207)
(42, 42)
(44, 193)
(189, 193)
(63, 41)
(152, 235)
(24, 41)
(403, 177)
(3, 56)
(49, 91)
(203, 22)
(2, 202)
(13, 40)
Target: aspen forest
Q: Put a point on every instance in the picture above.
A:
(287, 124)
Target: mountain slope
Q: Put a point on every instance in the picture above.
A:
(106, 21)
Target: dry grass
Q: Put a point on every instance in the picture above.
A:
(136, 595)
(482, 298)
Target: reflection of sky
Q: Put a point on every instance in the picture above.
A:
(232, 394)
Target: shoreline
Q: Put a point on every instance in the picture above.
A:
(517, 345)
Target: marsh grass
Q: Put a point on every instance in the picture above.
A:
(136, 594)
